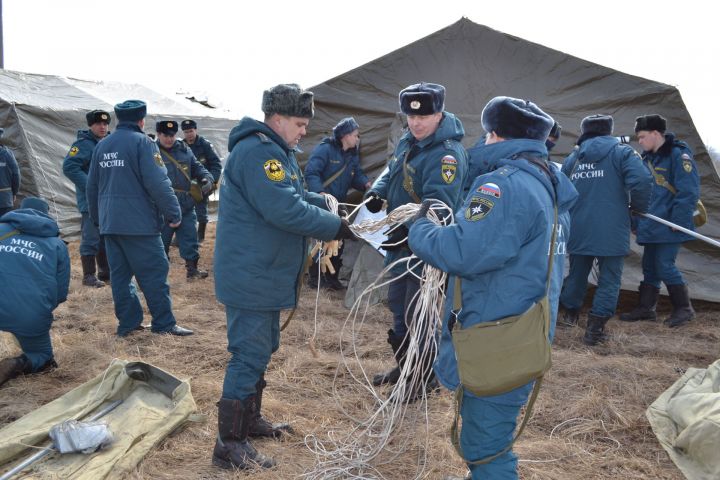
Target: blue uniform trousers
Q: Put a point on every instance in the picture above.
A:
(186, 236)
(90, 241)
(658, 264)
(400, 299)
(253, 336)
(201, 210)
(608, 289)
(487, 428)
(37, 348)
(141, 256)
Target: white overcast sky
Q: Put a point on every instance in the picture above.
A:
(232, 50)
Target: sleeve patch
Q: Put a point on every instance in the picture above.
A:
(274, 170)
(449, 159)
(478, 209)
(448, 171)
(490, 189)
(687, 164)
(73, 151)
(158, 159)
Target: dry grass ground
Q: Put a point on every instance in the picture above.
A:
(589, 421)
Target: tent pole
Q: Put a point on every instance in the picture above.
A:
(705, 239)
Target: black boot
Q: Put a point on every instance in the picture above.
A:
(102, 265)
(232, 448)
(393, 375)
(201, 232)
(647, 301)
(570, 317)
(259, 425)
(595, 331)
(332, 282)
(12, 367)
(89, 278)
(192, 271)
(682, 308)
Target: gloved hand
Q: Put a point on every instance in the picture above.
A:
(375, 204)
(399, 236)
(206, 186)
(423, 211)
(343, 211)
(344, 231)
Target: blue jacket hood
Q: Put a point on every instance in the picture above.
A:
(31, 222)
(249, 126)
(598, 147)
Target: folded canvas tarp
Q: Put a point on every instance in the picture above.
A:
(143, 419)
(686, 421)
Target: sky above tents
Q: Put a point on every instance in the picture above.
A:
(230, 51)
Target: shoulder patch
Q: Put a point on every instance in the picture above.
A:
(449, 159)
(490, 189)
(685, 156)
(687, 164)
(158, 159)
(506, 170)
(448, 168)
(274, 170)
(73, 151)
(478, 209)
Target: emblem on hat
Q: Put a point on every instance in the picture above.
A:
(415, 105)
(169, 124)
(274, 170)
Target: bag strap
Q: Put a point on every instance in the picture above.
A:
(407, 179)
(9, 234)
(334, 176)
(167, 155)
(660, 179)
(455, 432)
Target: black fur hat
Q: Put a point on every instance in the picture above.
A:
(422, 99)
(650, 123)
(516, 118)
(344, 127)
(555, 131)
(96, 116)
(188, 124)
(168, 127)
(598, 124)
(288, 99)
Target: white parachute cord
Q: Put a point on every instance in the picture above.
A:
(387, 429)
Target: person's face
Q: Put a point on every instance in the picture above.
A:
(190, 135)
(100, 129)
(650, 141)
(291, 129)
(166, 140)
(351, 140)
(422, 126)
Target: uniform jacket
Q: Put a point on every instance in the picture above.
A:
(437, 167)
(499, 246)
(9, 177)
(128, 189)
(326, 160)
(205, 154)
(34, 271)
(609, 177)
(192, 168)
(77, 165)
(263, 219)
(674, 163)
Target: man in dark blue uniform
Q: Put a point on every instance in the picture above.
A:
(429, 162)
(609, 177)
(334, 168)
(9, 178)
(205, 154)
(76, 166)
(553, 136)
(264, 217)
(35, 275)
(182, 169)
(499, 247)
(675, 194)
(130, 197)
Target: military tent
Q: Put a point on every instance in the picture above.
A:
(42, 113)
(477, 63)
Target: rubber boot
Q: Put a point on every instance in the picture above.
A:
(12, 367)
(570, 317)
(259, 425)
(595, 331)
(332, 282)
(103, 267)
(682, 308)
(647, 302)
(393, 375)
(201, 232)
(232, 448)
(89, 278)
(192, 270)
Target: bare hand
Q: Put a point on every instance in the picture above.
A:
(176, 225)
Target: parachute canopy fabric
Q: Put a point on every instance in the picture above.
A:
(41, 115)
(476, 63)
(143, 419)
(686, 421)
